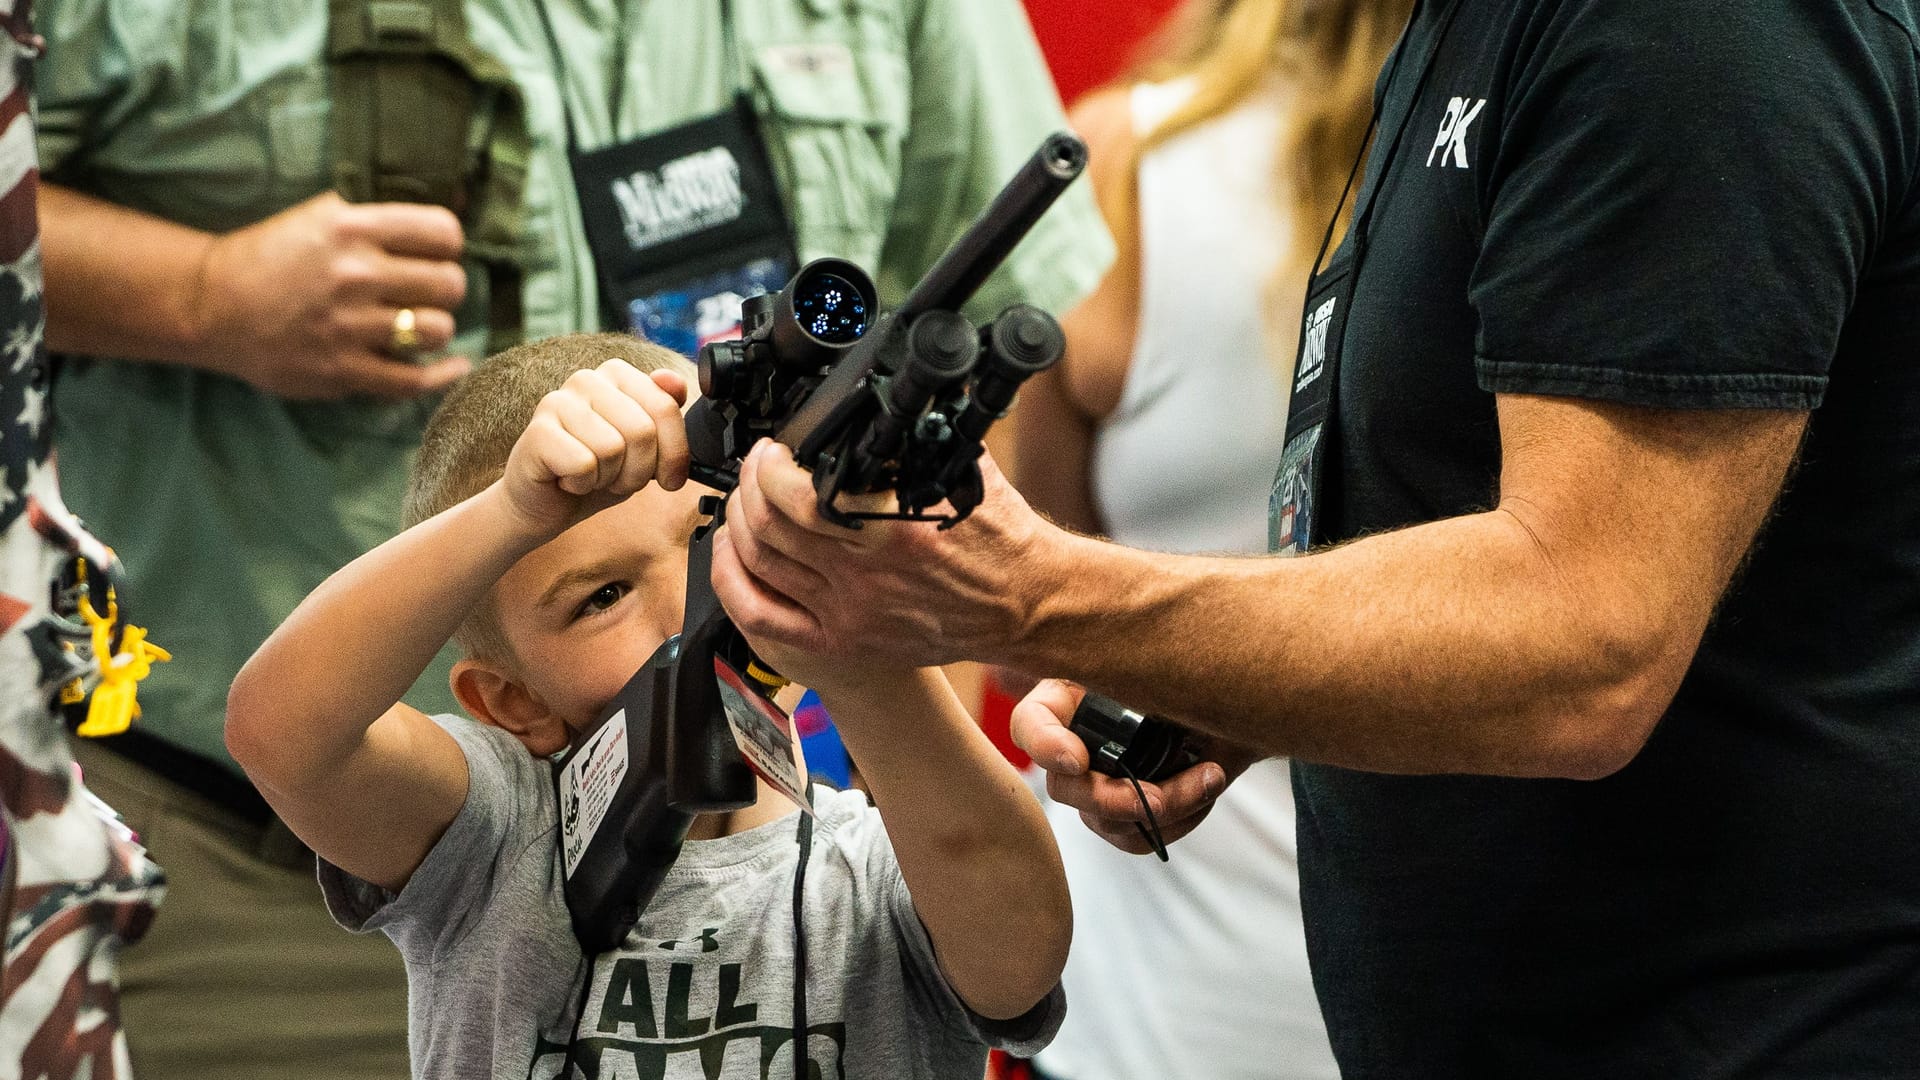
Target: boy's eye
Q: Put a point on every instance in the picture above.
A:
(603, 598)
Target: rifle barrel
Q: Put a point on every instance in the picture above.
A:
(999, 229)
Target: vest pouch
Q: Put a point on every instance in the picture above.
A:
(422, 114)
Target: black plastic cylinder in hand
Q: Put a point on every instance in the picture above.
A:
(1125, 742)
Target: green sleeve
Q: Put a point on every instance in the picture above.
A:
(88, 79)
(982, 102)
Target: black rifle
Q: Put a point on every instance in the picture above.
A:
(869, 402)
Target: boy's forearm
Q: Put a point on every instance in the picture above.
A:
(358, 642)
(972, 842)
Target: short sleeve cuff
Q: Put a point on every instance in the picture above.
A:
(431, 914)
(1660, 390)
(1023, 1036)
(1055, 267)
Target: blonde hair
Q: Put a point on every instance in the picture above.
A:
(1328, 54)
(468, 440)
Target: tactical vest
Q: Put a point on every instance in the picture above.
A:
(422, 114)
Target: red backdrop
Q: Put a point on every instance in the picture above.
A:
(1087, 42)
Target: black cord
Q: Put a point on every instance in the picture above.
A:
(801, 1061)
(800, 1033)
(1151, 830)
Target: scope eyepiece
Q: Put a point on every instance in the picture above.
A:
(829, 305)
(831, 308)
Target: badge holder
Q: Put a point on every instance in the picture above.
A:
(685, 223)
(1300, 504)
(1296, 509)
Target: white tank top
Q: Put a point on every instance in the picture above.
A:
(1186, 460)
(1196, 968)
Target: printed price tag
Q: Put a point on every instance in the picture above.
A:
(760, 730)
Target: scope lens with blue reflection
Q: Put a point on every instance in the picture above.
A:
(830, 308)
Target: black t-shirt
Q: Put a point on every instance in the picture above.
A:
(1695, 204)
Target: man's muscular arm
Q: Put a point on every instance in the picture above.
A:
(1543, 637)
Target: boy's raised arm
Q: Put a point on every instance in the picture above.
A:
(370, 784)
(972, 841)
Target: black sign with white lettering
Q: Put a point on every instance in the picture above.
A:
(682, 224)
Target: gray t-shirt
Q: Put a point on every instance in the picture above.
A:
(703, 986)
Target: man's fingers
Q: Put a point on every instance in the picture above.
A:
(1194, 789)
(376, 375)
(756, 609)
(1039, 726)
(1103, 796)
(1130, 837)
(771, 528)
(1127, 838)
(369, 328)
(1178, 797)
(415, 230)
(788, 490)
(775, 569)
(419, 283)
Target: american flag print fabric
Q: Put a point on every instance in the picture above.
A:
(77, 884)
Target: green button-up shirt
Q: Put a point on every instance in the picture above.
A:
(890, 124)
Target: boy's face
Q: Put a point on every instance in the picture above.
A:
(583, 611)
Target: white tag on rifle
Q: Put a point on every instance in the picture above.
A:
(760, 731)
(588, 782)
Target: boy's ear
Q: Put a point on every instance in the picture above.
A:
(492, 696)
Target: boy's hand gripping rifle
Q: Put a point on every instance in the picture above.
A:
(870, 402)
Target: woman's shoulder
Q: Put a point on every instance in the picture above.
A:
(1103, 118)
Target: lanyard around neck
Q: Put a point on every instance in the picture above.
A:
(1363, 213)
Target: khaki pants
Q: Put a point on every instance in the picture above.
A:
(243, 975)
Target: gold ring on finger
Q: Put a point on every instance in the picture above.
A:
(406, 334)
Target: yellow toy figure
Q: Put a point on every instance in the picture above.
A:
(114, 706)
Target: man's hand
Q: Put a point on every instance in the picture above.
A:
(302, 305)
(900, 593)
(1107, 804)
(603, 436)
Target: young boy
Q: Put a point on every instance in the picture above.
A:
(550, 519)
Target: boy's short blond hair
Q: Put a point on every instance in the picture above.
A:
(468, 440)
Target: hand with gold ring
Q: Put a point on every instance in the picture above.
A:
(405, 340)
(330, 300)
